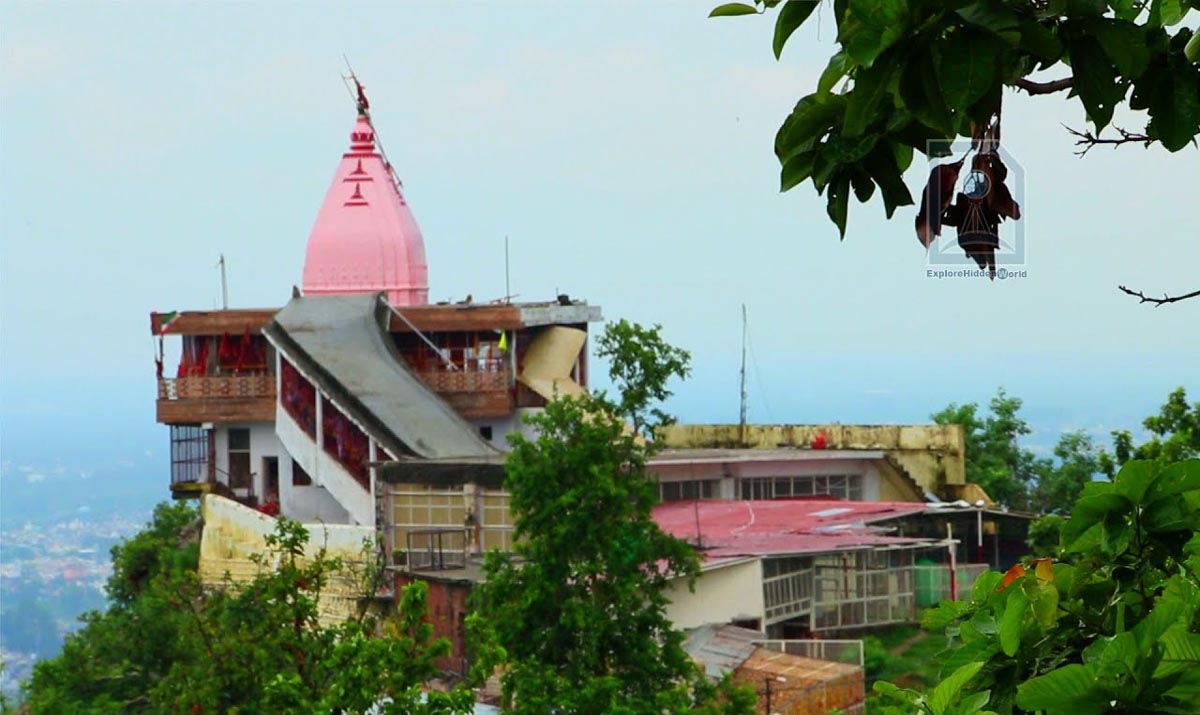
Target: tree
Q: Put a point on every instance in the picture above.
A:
(917, 74)
(1114, 627)
(168, 645)
(993, 457)
(1060, 484)
(1174, 435)
(576, 614)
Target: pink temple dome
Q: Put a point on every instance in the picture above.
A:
(365, 239)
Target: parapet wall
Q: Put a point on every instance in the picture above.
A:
(233, 533)
(931, 454)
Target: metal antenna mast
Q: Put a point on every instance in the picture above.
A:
(742, 411)
(224, 284)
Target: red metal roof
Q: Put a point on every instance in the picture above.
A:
(729, 528)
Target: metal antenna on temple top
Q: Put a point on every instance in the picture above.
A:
(358, 93)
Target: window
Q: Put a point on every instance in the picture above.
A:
(300, 477)
(191, 453)
(841, 486)
(693, 489)
(486, 432)
(239, 458)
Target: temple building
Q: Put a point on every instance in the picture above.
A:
(368, 413)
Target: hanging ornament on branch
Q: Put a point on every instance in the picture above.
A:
(979, 208)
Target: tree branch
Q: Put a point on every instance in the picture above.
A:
(1143, 298)
(1088, 140)
(1057, 85)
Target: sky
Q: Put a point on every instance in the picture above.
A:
(625, 149)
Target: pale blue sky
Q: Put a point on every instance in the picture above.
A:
(625, 148)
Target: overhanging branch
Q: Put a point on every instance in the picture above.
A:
(1057, 85)
(1088, 140)
(1143, 298)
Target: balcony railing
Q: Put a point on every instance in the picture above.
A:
(218, 386)
(465, 380)
(849, 652)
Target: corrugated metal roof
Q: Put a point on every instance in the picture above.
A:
(720, 649)
(726, 528)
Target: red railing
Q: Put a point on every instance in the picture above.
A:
(207, 387)
(466, 380)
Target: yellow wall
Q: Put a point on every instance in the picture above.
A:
(931, 454)
(232, 533)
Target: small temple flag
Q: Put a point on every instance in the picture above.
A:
(165, 320)
(503, 341)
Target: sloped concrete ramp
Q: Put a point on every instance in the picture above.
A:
(341, 343)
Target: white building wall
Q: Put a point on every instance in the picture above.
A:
(503, 426)
(263, 443)
(325, 470)
(311, 503)
(723, 594)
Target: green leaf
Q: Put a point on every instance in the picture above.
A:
(1090, 511)
(1070, 689)
(1175, 107)
(1126, 9)
(838, 202)
(796, 169)
(1045, 604)
(1177, 478)
(1181, 651)
(985, 586)
(1086, 8)
(793, 14)
(849, 150)
(1123, 42)
(1041, 42)
(839, 66)
(1134, 478)
(967, 68)
(947, 690)
(936, 619)
(869, 27)
(881, 165)
(1170, 514)
(1192, 49)
(864, 188)
(1012, 621)
(1153, 626)
(1165, 13)
(809, 121)
(733, 9)
(903, 155)
(864, 101)
(994, 16)
(922, 95)
(973, 703)
(1095, 80)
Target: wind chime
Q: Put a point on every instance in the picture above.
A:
(979, 208)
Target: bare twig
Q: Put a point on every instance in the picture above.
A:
(1143, 298)
(1057, 85)
(1088, 140)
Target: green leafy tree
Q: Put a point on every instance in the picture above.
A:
(1112, 628)
(168, 645)
(1060, 481)
(993, 457)
(576, 615)
(1174, 435)
(917, 74)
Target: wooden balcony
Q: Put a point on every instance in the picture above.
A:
(217, 399)
(474, 394)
